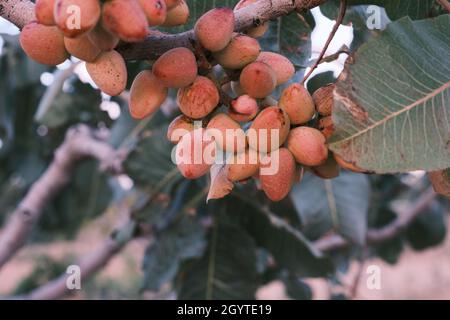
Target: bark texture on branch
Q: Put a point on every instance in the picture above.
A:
(79, 143)
(157, 44)
(19, 12)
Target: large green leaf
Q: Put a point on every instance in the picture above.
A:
(181, 241)
(86, 196)
(79, 104)
(340, 204)
(290, 36)
(287, 244)
(392, 106)
(227, 271)
(415, 9)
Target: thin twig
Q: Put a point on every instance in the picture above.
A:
(340, 18)
(353, 288)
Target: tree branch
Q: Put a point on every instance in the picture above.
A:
(89, 264)
(156, 44)
(19, 12)
(388, 232)
(80, 143)
(340, 18)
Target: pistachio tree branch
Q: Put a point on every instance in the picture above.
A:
(80, 143)
(21, 12)
(88, 264)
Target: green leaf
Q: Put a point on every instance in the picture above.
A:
(227, 271)
(289, 36)
(297, 289)
(428, 229)
(389, 250)
(339, 204)
(87, 196)
(392, 106)
(79, 104)
(415, 9)
(150, 161)
(181, 241)
(287, 244)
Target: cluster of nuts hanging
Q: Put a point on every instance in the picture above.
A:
(253, 75)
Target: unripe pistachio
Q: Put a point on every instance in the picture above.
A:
(177, 68)
(243, 109)
(243, 165)
(323, 99)
(171, 3)
(102, 38)
(326, 126)
(44, 12)
(155, 11)
(177, 15)
(241, 51)
(195, 154)
(109, 72)
(298, 104)
(215, 28)
(82, 48)
(199, 99)
(255, 32)
(308, 145)
(278, 184)
(43, 44)
(328, 170)
(180, 126)
(76, 22)
(125, 19)
(227, 133)
(284, 69)
(271, 123)
(258, 80)
(147, 94)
